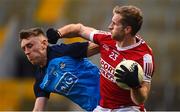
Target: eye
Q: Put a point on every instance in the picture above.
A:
(113, 23)
(29, 46)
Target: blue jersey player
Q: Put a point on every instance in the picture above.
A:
(62, 69)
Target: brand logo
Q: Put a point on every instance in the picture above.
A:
(66, 83)
(62, 65)
(106, 47)
(107, 70)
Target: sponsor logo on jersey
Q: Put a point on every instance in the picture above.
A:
(106, 47)
(62, 65)
(107, 70)
(66, 83)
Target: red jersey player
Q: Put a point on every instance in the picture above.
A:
(121, 43)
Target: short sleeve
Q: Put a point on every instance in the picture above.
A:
(98, 36)
(76, 50)
(38, 91)
(148, 67)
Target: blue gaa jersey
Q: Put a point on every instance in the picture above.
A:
(76, 79)
(75, 50)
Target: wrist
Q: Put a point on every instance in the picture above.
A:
(60, 35)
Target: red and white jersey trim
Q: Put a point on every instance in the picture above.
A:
(131, 46)
(148, 67)
(92, 35)
(99, 32)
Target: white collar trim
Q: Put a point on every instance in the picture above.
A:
(129, 47)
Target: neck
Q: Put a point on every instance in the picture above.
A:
(127, 41)
(44, 62)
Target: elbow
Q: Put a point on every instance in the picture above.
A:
(76, 28)
(79, 26)
(139, 101)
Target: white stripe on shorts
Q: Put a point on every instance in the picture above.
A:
(123, 109)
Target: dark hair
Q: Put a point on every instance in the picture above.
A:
(26, 33)
(131, 16)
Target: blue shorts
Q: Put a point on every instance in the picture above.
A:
(77, 79)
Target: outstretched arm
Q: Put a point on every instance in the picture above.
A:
(73, 30)
(69, 31)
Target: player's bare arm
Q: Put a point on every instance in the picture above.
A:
(92, 49)
(140, 95)
(40, 104)
(72, 30)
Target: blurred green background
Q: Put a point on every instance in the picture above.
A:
(161, 29)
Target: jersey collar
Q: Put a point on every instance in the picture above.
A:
(129, 47)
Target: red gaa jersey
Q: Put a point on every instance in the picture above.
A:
(112, 96)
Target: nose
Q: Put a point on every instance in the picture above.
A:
(110, 27)
(26, 51)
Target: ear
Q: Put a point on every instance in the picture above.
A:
(128, 29)
(44, 43)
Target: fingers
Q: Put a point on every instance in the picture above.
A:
(119, 80)
(119, 71)
(136, 68)
(52, 35)
(124, 68)
(50, 32)
(118, 75)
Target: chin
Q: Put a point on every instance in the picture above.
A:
(32, 62)
(114, 38)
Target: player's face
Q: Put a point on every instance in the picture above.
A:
(116, 28)
(35, 49)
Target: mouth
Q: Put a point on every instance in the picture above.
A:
(31, 60)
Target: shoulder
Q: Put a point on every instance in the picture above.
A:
(144, 45)
(63, 46)
(98, 36)
(100, 32)
(78, 49)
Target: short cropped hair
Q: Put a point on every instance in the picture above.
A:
(131, 16)
(26, 33)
